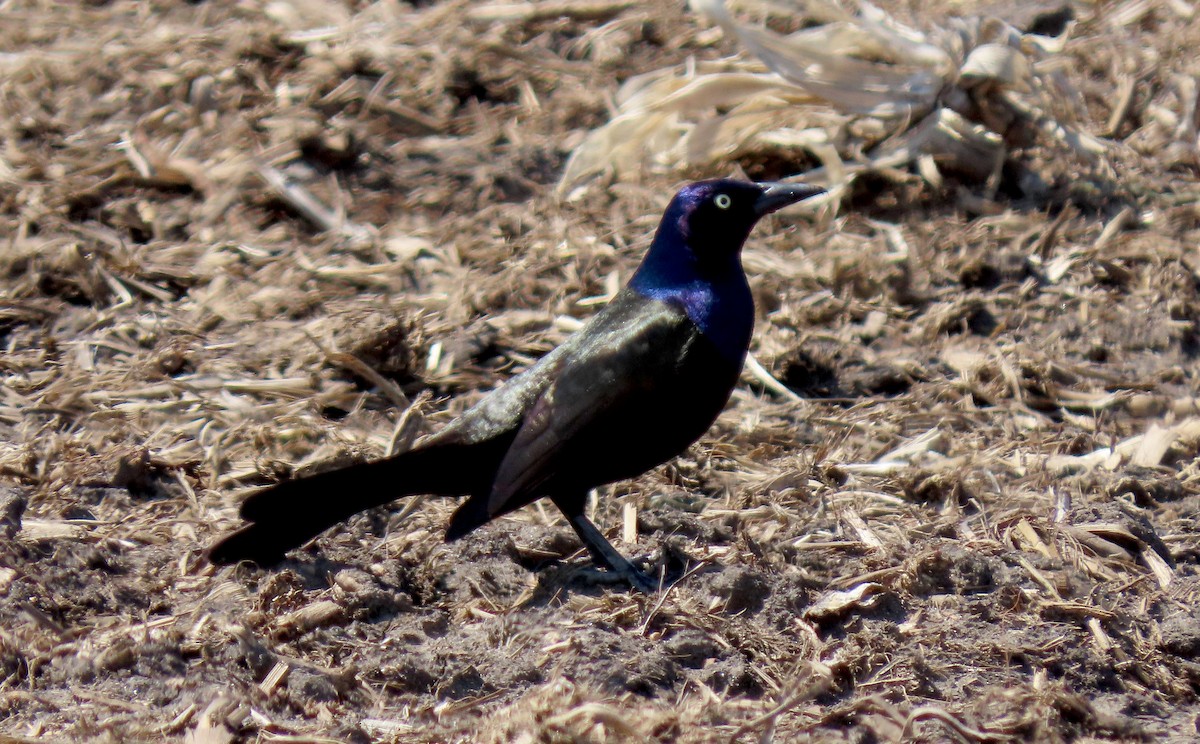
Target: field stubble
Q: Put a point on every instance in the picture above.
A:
(244, 240)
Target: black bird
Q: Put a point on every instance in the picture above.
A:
(637, 384)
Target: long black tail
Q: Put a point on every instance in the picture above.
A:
(285, 516)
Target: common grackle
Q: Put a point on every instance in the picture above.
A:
(637, 384)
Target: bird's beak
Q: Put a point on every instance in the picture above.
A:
(778, 195)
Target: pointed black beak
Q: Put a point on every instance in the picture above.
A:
(778, 195)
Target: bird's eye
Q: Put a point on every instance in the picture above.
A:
(722, 201)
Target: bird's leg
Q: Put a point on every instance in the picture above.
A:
(606, 555)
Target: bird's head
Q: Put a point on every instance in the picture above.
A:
(694, 261)
(707, 222)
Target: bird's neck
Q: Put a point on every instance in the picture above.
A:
(716, 298)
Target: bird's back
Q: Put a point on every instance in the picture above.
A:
(628, 392)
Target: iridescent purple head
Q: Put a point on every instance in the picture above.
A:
(694, 261)
(707, 222)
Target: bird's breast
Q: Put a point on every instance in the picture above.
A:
(724, 314)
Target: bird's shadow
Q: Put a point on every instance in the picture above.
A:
(559, 579)
(488, 565)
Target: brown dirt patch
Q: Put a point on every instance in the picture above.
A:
(979, 524)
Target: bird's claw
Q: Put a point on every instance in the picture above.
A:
(643, 582)
(635, 578)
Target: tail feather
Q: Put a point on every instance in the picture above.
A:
(468, 517)
(254, 542)
(285, 516)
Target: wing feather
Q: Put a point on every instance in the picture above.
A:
(594, 393)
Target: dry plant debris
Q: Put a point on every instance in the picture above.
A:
(858, 93)
(955, 501)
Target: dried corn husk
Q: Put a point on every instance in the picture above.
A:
(919, 88)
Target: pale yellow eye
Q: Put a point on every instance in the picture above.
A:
(722, 201)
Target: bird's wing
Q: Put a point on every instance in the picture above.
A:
(501, 411)
(599, 389)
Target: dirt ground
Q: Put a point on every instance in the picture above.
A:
(970, 516)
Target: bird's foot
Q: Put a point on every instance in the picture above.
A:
(634, 577)
(644, 582)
